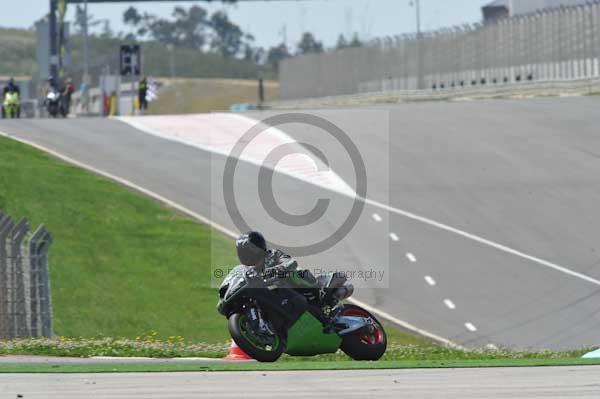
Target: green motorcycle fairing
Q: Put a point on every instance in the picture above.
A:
(306, 338)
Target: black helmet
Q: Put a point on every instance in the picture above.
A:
(251, 248)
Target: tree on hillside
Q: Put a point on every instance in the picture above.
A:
(308, 44)
(228, 37)
(356, 42)
(160, 29)
(131, 16)
(107, 31)
(254, 54)
(190, 26)
(277, 54)
(342, 43)
(80, 20)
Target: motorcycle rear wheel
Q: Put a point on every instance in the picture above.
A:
(247, 340)
(364, 344)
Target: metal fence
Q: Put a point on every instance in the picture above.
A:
(25, 305)
(553, 44)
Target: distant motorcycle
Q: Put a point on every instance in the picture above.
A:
(11, 105)
(54, 104)
(267, 317)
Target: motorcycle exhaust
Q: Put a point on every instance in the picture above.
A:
(344, 292)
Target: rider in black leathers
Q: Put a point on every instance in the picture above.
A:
(252, 251)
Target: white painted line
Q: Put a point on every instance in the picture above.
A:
(430, 280)
(377, 218)
(129, 184)
(404, 324)
(394, 237)
(411, 257)
(592, 355)
(423, 219)
(449, 304)
(470, 327)
(219, 133)
(222, 229)
(158, 360)
(484, 241)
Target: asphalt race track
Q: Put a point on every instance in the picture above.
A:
(561, 382)
(507, 251)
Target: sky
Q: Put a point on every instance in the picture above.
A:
(271, 22)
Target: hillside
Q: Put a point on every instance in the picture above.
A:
(192, 96)
(17, 52)
(18, 48)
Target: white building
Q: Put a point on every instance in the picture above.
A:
(505, 8)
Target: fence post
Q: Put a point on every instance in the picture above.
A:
(591, 17)
(595, 38)
(21, 279)
(46, 303)
(36, 281)
(39, 244)
(5, 227)
(10, 278)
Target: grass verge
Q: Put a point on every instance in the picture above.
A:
(193, 96)
(121, 265)
(175, 347)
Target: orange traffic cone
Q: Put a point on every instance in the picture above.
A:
(236, 353)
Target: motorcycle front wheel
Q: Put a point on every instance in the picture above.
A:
(263, 349)
(367, 343)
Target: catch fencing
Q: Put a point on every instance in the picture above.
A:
(549, 45)
(25, 303)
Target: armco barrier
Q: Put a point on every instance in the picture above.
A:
(521, 90)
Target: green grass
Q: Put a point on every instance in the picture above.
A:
(121, 264)
(131, 277)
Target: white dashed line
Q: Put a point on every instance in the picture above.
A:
(430, 280)
(411, 257)
(377, 217)
(216, 226)
(394, 237)
(449, 304)
(470, 327)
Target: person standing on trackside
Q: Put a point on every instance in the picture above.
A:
(142, 92)
(68, 92)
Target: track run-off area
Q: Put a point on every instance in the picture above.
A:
(482, 216)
